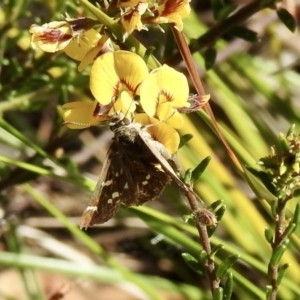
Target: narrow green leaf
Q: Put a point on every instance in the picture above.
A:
(203, 257)
(228, 287)
(296, 193)
(289, 230)
(210, 56)
(245, 34)
(287, 19)
(148, 53)
(186, 218)
(217, 6)
(296, 218)
(216, 249)
(277, 255)
(198, 171)
(263, 177)
(269, 235)
(184, 139)
(291, 131)
(273, 208)
(220, 212)
(188, 176)
(215, 204)
(223, 13)
(281, 271)
(284, 143)
(218, 294)
(193, 263)
(226, 265)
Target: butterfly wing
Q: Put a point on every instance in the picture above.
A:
(148, 181)
(125, 178)
(162, 155)
(104, 202)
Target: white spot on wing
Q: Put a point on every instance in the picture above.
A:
(126, 186)
(109, 201)
(91, 208)
(115, 195)
(107, 183)
(146, 181)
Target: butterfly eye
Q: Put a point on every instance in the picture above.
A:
(126, 121)
(114, 120)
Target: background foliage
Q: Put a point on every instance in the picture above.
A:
(47, 172)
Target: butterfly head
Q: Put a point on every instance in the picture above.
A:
(118, 119)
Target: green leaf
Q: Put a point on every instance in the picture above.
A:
(284, 143)
(198, 171)
(281, 271)
(289, 230)
(269, 235)
(216, 249)
(215, 204)
(287, 19)
(226, 265)
(277, 255)
(244, 33)
(274, 208)
(218, 294)
(187, 176)
(186, 218)
(210, 56)
(193, 263)
(296, 218)
(220, 212)
(296, 193)
(223, 13)
(228, 287)
(291, 132)
(217, 6)
(203, 257)
(262, 178)
(184, 139)
(148, 53)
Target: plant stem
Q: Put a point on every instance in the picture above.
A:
(209, 38)
(187, 56)
(204, 239)
(279, 229)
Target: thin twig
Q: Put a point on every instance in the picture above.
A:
(209, 38)
(279, 229)
(186, 54)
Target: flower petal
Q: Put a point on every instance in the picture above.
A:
(104, 79)
(169, 115)
(113, 73)
(79, 115)
(124, 103)
(164, 85)
(161, 132)
(104, 45)
(78, 48)
(131, 69)
(51, 37)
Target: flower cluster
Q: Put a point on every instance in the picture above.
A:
(75, 37)
(282, 168)
(136, 13)
(121, 81)
(79, 40)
